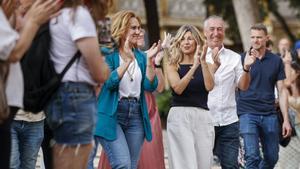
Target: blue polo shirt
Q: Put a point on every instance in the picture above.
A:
(260, 98)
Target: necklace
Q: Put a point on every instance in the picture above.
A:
(130, 71)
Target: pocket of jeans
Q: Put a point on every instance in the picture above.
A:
(245, 125)
(273, 124)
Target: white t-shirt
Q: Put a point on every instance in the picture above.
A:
(15, 85)
(8, 37)
(130, 84)
(68, 27)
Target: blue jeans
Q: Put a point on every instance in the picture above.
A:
(93, 154)
(71, 114)
(227, 145)
(27, 138)
(264, 128)
(124, 152)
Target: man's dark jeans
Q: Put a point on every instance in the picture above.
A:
(227, 145)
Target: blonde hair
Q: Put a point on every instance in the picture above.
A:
(176, 54)
(120, 25)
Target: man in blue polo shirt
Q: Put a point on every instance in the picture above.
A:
(256, 110)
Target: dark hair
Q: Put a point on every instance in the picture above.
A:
(296, 64)
(269, 43)
(259, 26)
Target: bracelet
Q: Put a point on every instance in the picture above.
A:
(157, 66)
(245, 70)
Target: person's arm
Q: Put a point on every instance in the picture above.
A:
(244, 81)
(206, 72)
(150, 72)
(159, 72)
(96, 64)
(287, 59)
(177, 84)
(38, 14)
(283, 102)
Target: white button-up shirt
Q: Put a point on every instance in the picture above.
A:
(221, 100)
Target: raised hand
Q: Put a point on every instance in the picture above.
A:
(155, 48)
(250, 58)
(158, 58)
(128, 49)
(167, 40)
(8, 6)
(216, 56)
(197, 56)
(41, 11)
(287, 57)
(203, 54)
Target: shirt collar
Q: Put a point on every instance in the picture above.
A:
(210, 49)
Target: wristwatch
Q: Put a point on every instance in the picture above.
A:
(245, 70)
(157, 66)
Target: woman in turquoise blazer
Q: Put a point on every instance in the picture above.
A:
(123, 120)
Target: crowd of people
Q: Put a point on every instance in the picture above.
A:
(219, 97)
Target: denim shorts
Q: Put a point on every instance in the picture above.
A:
(71, 114)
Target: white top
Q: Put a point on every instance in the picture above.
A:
(8, 37)
(128, 88)
(221, 100)
(15, 85)
(29, 117)
(68, 27)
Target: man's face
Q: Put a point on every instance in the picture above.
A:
(214, 32)
(283, 45)
(258, 39)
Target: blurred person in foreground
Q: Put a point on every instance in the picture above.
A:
(12, 48)
(71, 112)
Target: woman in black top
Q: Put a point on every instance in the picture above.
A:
(189, 126)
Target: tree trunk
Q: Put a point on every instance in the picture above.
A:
(273, 8)
(247, 14)
(152, 21)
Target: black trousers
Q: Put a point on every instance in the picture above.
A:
(46, 147)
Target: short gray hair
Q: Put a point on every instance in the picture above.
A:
(212, 17)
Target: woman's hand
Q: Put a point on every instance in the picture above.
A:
(41, 11)
(127, 52)
(197, 57)
(155, 48)
(203, 54)
(9, 6)
(167, 40)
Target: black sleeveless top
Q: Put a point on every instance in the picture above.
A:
(195, 94)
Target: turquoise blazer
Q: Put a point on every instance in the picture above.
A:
(109, 96)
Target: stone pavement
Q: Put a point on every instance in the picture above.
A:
(40, 162)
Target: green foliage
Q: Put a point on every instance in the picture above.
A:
(163, 101)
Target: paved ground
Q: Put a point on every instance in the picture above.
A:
(40, 162)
